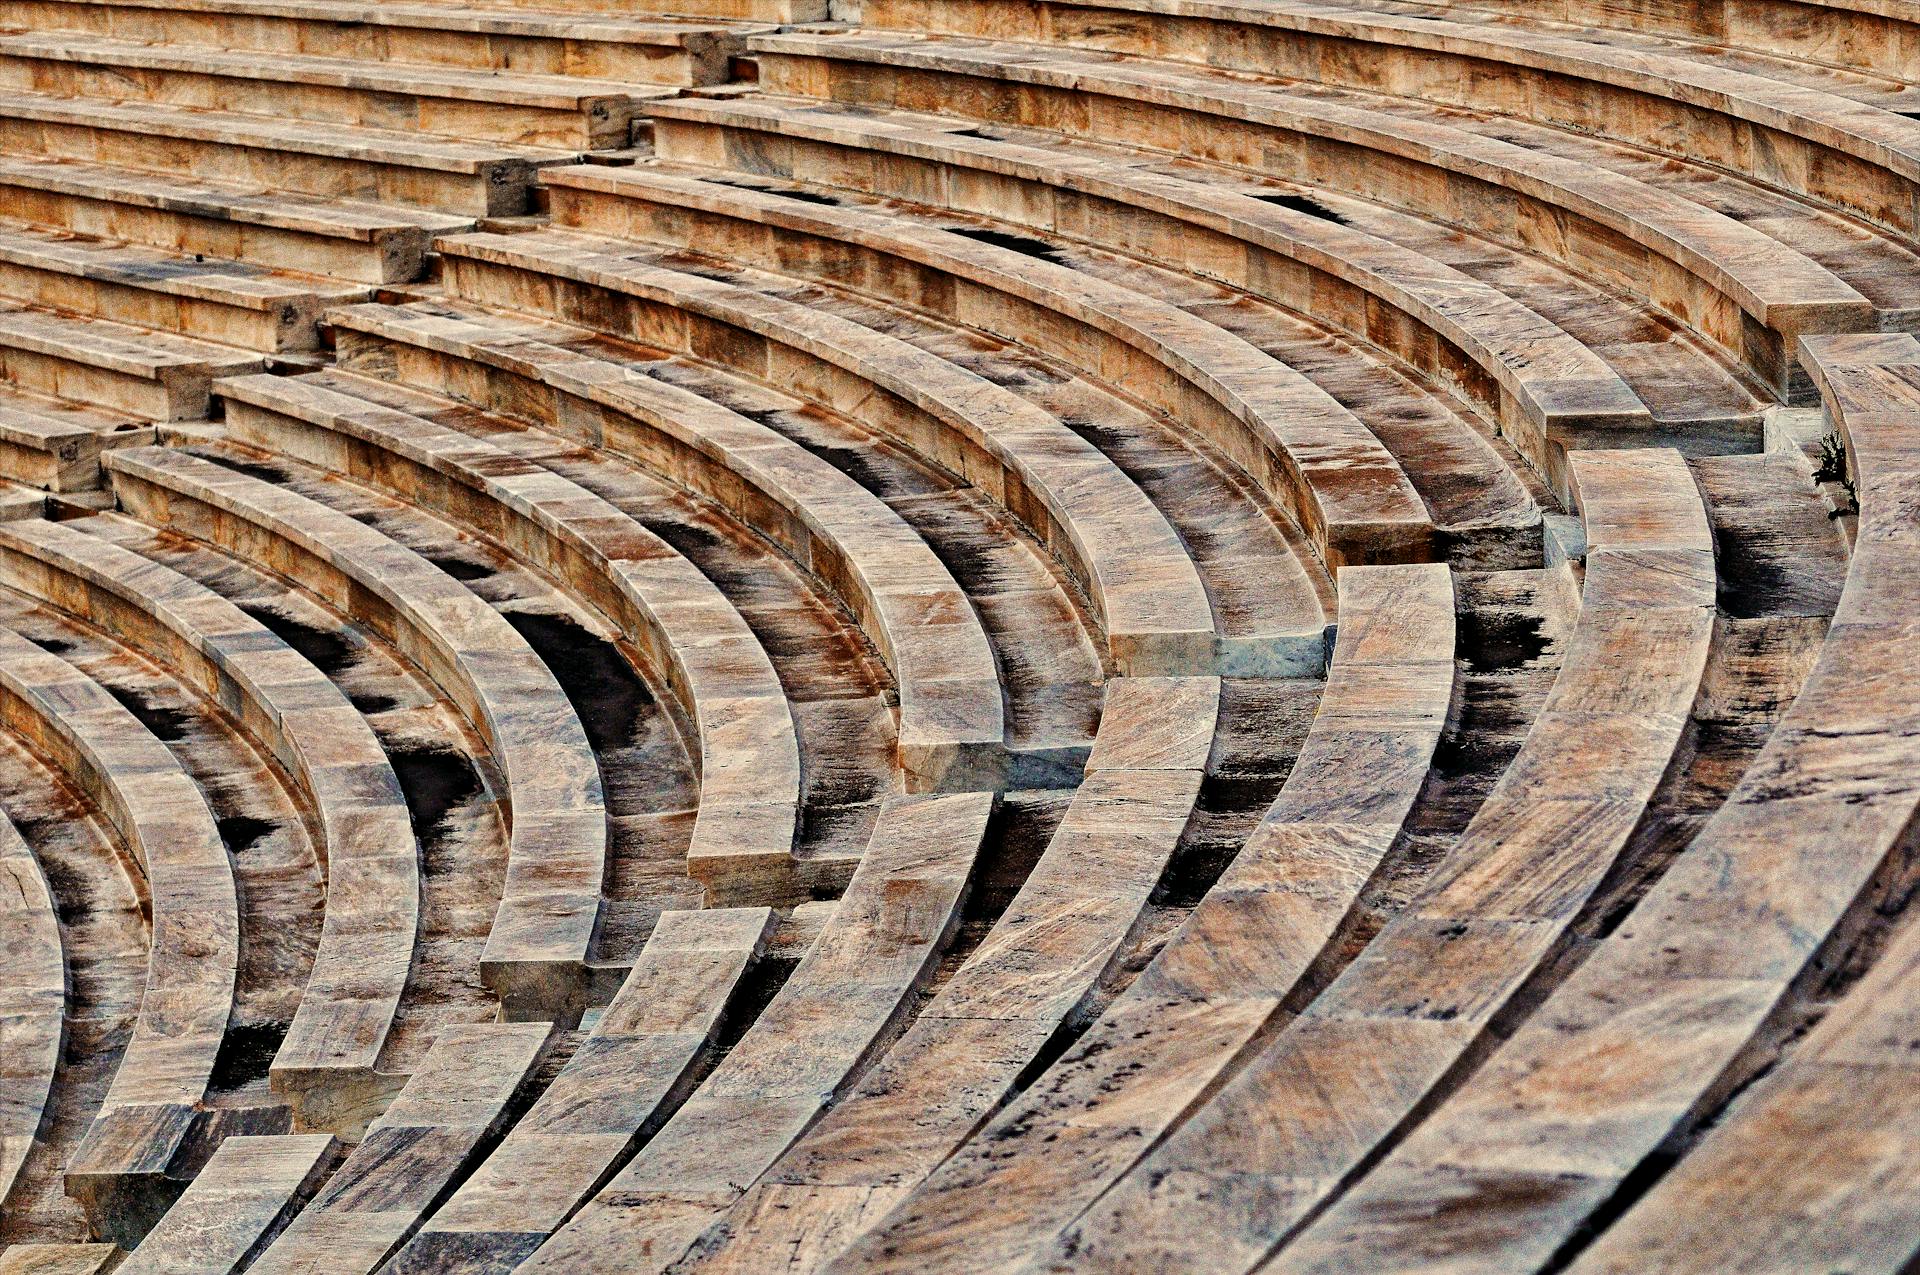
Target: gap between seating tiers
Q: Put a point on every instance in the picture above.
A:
(1302, 447)
(731, 707)
(537, 949)
(1030, 978)
(1742, 288)
(637, 1066)
(1709, 980)
(1829, 148)
(326, 1065)
(1142, 585)
(122, 1172)
(834, 1014)
(1290, 893)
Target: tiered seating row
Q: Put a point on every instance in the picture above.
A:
(33, 1004)
(121, 1170)
(326, 1064)
(538, 946)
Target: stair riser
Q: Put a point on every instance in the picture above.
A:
(599, 123)
(392, 257)
(431, 46)
(292, 325)
(497, 190)
(177, 397)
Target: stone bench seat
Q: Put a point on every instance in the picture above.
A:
(351, 162)
(1538, 383)
(151, 376)
(326, 1066)
(968, 1049)
(272, 229)
(636, 1066)
(459, 1098)
(832, 1014)
(509, 107)
(246, 1193)
(1689, 997)
(1144, 588)
(1253, 938)
(33, 1002)
(1301, 446)
(904, 598)
(59, 1259)
(1828, 148)
(1496, 909)
(728, 696)
(537, 950)
(56, 446)
(122, 1171)
(1748, 292)
(222, 301)
(610, 45)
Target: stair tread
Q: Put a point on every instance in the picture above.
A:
(101, 343)
(229, 282)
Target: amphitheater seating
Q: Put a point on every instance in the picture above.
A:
(538, 946)
(638, 1064)
(33, 1008)
(749, 758)
(240, 1200)
(1309, 452)
(826, 1021)
(1232, 964)
(120, 1171)
(327, 1063)
(852, 636)
(456, 1100)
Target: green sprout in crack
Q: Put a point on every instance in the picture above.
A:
(1833, 469)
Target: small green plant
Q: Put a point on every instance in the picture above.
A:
(1833, 469)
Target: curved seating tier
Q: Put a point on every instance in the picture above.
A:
(1713, 963)
(1031, 976)
(237, 1203)
(326, 1063)
(828, 1021)
(59, 1259)
(1745, 290)
(906, 599)
(458, 1098)
(638, 1064)
(1310, 453)
(1141, 582)
(1816, 143)
(538, 946)
(1491, 920)
(120, 1170)
(1532, 379)
(714, 667)
(1231, 965)
(33, 1005)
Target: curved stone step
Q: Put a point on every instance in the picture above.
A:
(810, 1042)
(627, 1077)
(1137, 575)
(33, 1004)
(965, 1054)
(239, 1201)
(122, 1171)
(1413, 1006)
(153, 376)
(357, 163)
(537, 950)
(1303, 447)
(456, 1101)
(710, 662)
(1253, 937)
(326, 1066)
